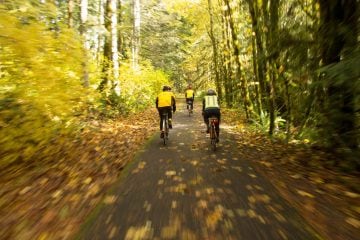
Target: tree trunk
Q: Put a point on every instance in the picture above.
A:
(229, 97)
(260, 53)
(215, 53)
(288, 108)
(71, 14)
(121, 45)
(83, 28)
(101, 37)
(106, 66)
(114, 47)
(136, 33)
(236, 53)
(272, 46)
(256, 78)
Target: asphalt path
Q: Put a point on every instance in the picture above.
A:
(186, 191)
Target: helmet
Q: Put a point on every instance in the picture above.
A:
(211, 92)
(166, 88)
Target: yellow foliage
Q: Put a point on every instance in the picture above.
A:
(40, 82)
(139, 88)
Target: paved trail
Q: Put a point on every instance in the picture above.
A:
(186, 191)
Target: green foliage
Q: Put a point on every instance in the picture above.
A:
(40, 87)
(342, 103)
(164, 39)
(262, 121)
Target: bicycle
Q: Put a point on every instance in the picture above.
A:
(213, 121)
(165, 131)
(188, 106)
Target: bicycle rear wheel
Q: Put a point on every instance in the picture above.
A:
(166, 129)
(213, 137)
(188, 106)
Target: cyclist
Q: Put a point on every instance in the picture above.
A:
(190, 95)
(211, 108)
(165, 102)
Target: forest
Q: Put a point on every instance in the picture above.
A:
(68, 68)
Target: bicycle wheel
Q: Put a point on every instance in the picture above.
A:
(166, 129)
(213, 137)
(188, 106)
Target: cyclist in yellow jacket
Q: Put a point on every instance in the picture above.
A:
(189, 96)
(211, 108)
(165, 102)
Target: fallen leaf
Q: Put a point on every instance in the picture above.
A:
(56, 194)
(251, 213)
(144, 232)
(24, 190)
(305, 194)
(241, 212)
(170, 173)
(109, 199)
(88, 180)
(352, 195)
(353, 222)
(112, 232)
(202, 204)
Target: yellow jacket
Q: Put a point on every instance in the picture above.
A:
(189, 93)
(165, 99)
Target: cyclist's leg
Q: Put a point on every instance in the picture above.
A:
(160, 110)
(217, 126)
(192, 104)
(206, 120)
(169, 111)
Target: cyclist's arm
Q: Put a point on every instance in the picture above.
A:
(173, 103)
(203, 105)
(156, 102)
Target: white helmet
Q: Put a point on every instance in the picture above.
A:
(211, 92)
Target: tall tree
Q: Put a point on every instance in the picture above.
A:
(114, 46)
(236, 57)
(215, 50)
(227, 59)
(260, 63)
(71, 13)
(106, 65)
(83, 30)
(136, 33)
(273, 55)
